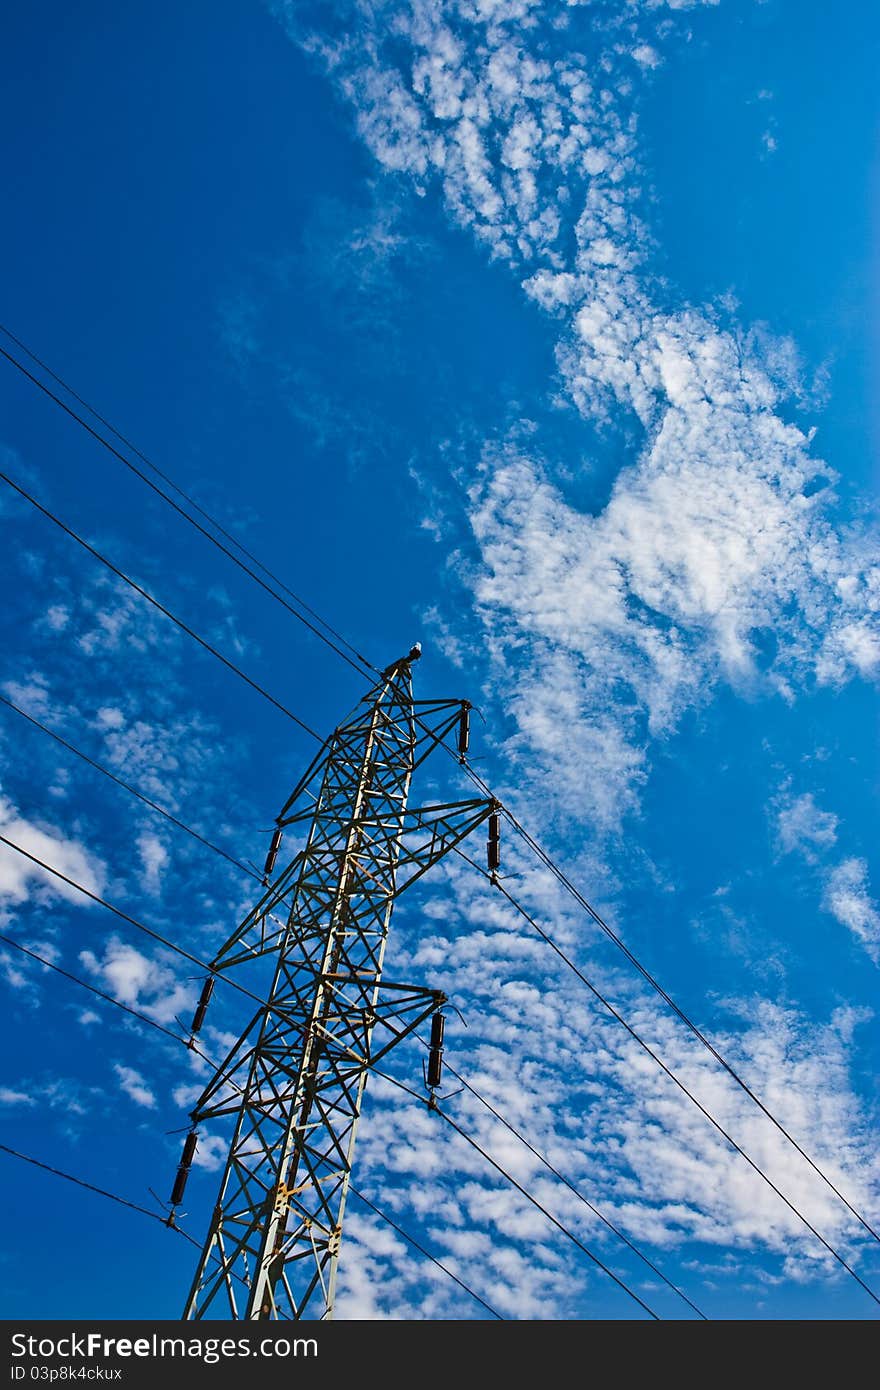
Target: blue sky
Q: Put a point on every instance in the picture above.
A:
(544, 334)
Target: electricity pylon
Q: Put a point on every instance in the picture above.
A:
(295, 1079)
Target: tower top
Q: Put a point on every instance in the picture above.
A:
(413, 654)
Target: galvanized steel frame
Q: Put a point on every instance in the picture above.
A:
(295, 1079)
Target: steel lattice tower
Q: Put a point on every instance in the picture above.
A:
(295, 1079)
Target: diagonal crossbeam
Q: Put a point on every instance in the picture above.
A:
(293, 1083)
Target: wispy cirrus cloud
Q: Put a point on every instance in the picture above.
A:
(803, 826)
(805, 829)
(21, 877)
(847, 897)
(147, 983)
(717, 558)
(134, 1086)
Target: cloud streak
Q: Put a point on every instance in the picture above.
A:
(716, 559)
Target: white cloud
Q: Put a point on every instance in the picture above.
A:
(30, 694)
(803, 826)
(20, 877)
(10, 1097)
(646, 56)
(109, 717)
(134, 1086)
(717, 559)
(145, 983)
(717, 537)
(847, 897)
(211, 1152)
(57, 617)
(154, 859)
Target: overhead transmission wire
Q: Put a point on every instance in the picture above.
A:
(184, 627)
(432, 1106)
(126, 917)
(160, 492)
(177, 1037)
(93, 989)
(542, 1158)
(188, 1043)
(126, 786)
(536, 848)
(673, 1077)
(101, 1191)
(683, 1017)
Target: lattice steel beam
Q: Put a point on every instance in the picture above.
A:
(295, 1078)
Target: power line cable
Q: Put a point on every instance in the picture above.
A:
(432, 1105)
(549, 1215)
(93, 989)
(126, 917)
(101, 1191)
(188, 1043)
(679, 1083)
(190, 632)
(573, 1189)
(401, 1232)
(693, 1028)
(126, 786)
(96, 435)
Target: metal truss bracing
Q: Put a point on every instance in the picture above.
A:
(295, 1079)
